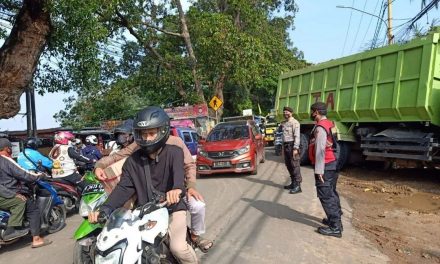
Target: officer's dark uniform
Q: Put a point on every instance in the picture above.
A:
(322, 156)
(291, 141)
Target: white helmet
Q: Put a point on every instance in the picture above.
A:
(92, 140)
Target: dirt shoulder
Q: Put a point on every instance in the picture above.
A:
(398, 210)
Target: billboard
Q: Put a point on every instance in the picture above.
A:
(185, 112)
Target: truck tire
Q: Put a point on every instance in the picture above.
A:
(344, 154)
(304, 145)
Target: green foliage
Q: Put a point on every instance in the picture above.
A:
(119, 57)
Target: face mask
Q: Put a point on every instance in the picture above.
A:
(122, 139)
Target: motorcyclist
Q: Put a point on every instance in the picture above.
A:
(64, 156)
(31, 159)
(123, 136)
(164, 164)
(91, 151)
(13, 193)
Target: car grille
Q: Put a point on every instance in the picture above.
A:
(221, 154)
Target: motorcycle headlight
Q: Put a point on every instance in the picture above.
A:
(84, 209)
(111, 258)
(243, 150)
(90, 203)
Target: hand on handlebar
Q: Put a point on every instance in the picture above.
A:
(173, 196)
(97, 217)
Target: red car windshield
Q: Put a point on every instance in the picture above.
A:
(228, 133)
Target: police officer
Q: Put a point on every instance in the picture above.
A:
(291, 140)
(323, 158)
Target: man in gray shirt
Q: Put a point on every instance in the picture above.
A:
(323, 158)
(291, 140)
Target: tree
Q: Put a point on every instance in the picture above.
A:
(21, 51)
(105, 48)
(239, 48)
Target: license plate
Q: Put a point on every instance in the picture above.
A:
(222, 164)
(93, 188)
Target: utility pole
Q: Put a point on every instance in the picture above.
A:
(389, 26)
(34, 113)
(28, 113)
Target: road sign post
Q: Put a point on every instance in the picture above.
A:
(215, 104)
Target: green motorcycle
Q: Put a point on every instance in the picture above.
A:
(92, 197)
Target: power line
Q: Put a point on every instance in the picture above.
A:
(359, 26)
(369, 23)
(379, 24)
(348, 29)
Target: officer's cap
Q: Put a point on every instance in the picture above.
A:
(286, 108)
(320, 106)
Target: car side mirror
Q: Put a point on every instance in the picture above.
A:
(202, 141)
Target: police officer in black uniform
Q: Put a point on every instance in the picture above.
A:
(323, 158)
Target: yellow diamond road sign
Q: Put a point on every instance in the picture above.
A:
(215, 103)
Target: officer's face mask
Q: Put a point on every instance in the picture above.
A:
(313, 116)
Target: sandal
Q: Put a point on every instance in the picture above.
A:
(45, 243)
(203, 244)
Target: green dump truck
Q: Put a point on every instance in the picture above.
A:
(385, 102)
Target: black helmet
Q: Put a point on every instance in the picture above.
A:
(126, 127)
(124, 133)
(32, 143)
(151, 117)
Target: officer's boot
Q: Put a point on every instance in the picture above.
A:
(288, 187)
(291, 185)
(296, 188)
(326, 222)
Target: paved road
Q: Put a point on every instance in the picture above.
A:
(252, 219)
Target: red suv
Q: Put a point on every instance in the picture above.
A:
(235, 146)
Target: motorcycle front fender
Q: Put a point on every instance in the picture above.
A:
(86, 228)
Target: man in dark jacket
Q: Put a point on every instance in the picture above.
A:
(156, 168)
(13, 193)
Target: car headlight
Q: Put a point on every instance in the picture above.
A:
(202, 152)
(111, 258)
(243, 150)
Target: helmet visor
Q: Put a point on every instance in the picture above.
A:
(150, 136)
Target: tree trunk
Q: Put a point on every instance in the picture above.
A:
(187, 39)
(20, 54)
(219, 86)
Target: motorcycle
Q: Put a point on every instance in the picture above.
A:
(138, 236)
(68, 193)
(278, 143)
(92, 197)
(52, 211)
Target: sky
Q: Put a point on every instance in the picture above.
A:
(322, 32)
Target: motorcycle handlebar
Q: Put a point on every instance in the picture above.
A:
(102, 217)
